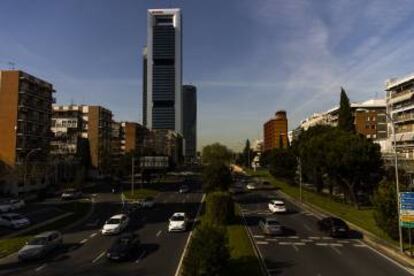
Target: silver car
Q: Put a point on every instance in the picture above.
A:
(40, 246)
(270, 226)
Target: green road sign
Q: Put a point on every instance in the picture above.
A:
(407, 224)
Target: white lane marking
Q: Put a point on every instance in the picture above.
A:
(336, 244)
(272, 240)
(360, 245)
(40, 267)
(262, 242)
(158, 233)
(295, 247)
(327, 238)
(306, 240)
(258, 236)
(293, 237)
(93, 235)
(285, 243)
(336, 250)
(342, 241)
(98, 257)
(307, 227)
(83, 241)
(140, 257)
(315, 238)
(321, 244)
(299, 243)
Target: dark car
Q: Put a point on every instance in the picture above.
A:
(335, 227)
(184, 189)
(70, 194)
(124, 248)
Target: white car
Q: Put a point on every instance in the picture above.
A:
(115, 225)
(178, 222)
(14, 221)
(277, 206)
(251, 186)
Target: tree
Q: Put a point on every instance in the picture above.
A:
(217, 177)
(283, 163)
(385, 208)
(345, 118)
(247, 153)
(219, 208)
(216, 153)
(84, 153)
(208, 252)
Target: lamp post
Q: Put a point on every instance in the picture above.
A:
(25, 164)
(397, 184)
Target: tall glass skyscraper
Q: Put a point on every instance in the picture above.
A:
(190, 120)
(162, 93)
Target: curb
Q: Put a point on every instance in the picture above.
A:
(374, 242)
(180, 264)
(256, 250)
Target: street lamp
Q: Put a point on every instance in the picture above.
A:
(397, 185)
(25, 163)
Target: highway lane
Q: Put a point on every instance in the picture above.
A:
(304, 250)
(84, 249)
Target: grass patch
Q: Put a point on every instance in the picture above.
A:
(78, 209)
(243, 260)
(140, 193)
(363, 218)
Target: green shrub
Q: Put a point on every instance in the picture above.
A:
(219, 208)
(208, 252)
(385, 208)
(217, 177)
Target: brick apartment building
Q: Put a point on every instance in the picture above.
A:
(275, 130)
(25, 119)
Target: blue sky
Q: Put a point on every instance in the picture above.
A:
(248, 58)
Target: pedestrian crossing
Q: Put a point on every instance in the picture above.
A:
(320, 241)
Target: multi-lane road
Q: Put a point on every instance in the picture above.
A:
(83, 252)
(304, 250)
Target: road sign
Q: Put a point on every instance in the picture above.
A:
(407, 209)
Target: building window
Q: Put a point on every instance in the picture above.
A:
(368, 136)
(368, 118)
(366, 126)
(372, 126)
(373, 118)
(374, 136)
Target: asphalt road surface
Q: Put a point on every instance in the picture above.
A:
(304, 250)
(83, 252)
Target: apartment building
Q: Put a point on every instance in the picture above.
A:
(72, 122)
(369, 119)
(275, 132)
(400, 106)
(25, 118)
(168, 143)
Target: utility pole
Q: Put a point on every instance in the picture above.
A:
(300, 179)
(132, 174)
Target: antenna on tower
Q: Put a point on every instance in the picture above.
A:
(11, 65)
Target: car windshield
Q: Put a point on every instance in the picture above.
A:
(280, 204)
(38, 241)
(114, 221)
(338, 222)
(125, 240)
(177, 218)
(272, 222)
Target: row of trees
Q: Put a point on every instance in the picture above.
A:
(208, 252)
(338, 158)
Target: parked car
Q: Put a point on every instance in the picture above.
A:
(13, 220)
(335, 227)
(277, 206)
(11, 204)
(124, 248)
(147, 202)
(178, 222)
(115, 225)
(184, 189)
(251, 186)
(40, 246)
(270, 226)
(71, 194)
